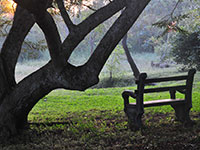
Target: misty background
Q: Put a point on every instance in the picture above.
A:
(150, 48)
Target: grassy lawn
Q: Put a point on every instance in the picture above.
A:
(94, 119)
(57, 104)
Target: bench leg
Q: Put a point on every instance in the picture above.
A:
(134, 118)
(182, 113)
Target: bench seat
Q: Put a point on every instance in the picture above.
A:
(160, 102)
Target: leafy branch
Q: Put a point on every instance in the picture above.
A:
(170, 22)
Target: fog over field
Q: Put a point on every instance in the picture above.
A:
(142, 60)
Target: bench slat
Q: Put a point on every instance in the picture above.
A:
(163, 89)
(154, 80)
(160, 102)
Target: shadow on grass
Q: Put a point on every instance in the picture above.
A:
(108, 130)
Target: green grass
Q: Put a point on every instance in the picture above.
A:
(94, 119)
(59, 103)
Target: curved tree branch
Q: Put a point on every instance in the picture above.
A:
(34, 6)
(89, 7)
(23, 22)
(131, 62)
(101, 15)
(116, 33)
(98, 17)
(65, 15)
(48, 26)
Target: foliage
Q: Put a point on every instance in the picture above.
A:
(162, 46)
(184, 19)
(186, 50)
(170, 22)
(6, 8)
(141, 33)
(32, 50)
(114, 61)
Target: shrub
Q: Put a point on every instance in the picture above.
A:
(186, 50)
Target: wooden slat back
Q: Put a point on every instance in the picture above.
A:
(163, 89)
(165, 79)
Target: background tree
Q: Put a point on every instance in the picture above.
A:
(17, 99)
(186, 50)
(32, 47)
(179, 39)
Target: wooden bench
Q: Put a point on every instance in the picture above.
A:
(134, 111)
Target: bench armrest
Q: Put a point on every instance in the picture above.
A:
(173, 92)
(126, 94)
(182, 91)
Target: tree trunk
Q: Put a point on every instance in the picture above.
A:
(129, 58)
(17, 100)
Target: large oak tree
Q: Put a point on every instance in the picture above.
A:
(17, 99)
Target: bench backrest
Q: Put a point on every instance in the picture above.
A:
(142, 81)
(185, 89)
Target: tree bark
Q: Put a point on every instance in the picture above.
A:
(48, 26)
(16, 103)
(23, 22)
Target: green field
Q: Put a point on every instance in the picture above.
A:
(94, 119)
(60, 103)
